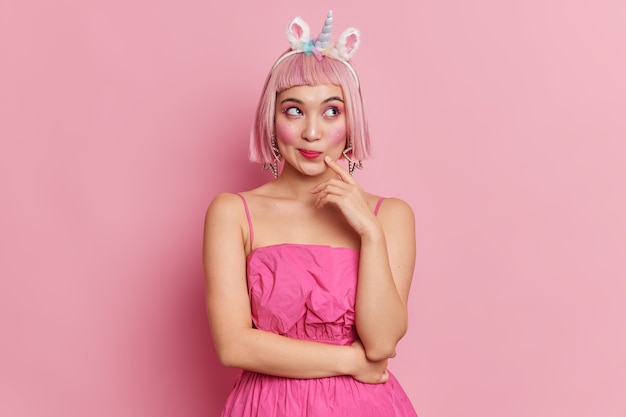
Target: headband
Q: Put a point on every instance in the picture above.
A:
(300, 39)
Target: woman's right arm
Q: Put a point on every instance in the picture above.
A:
(240, 345)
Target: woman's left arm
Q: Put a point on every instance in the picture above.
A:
(385, 274)
(386, 264)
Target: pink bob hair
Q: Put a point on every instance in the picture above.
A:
(302, 69)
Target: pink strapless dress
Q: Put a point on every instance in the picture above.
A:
(308, 292)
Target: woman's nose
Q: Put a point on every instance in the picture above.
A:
(311, 130)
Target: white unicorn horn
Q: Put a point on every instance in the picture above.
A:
(323, 40)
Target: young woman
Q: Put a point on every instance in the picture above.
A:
(308, 275)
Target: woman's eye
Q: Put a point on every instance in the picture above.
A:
(331, 112)
(292, 111)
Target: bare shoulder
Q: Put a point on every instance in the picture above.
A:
(225, 226)
(392, 206)
(224, 206)
(397, 217)
(226, 214)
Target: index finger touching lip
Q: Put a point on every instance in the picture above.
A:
(343, 174)
(331, 163)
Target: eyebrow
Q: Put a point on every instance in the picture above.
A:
(298, 101)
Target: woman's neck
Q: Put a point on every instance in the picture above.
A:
(297, 185)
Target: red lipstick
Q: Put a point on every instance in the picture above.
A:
(309, 154)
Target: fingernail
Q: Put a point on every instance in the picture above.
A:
(327, 158)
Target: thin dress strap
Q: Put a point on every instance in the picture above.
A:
(245, 206)
(380, 201)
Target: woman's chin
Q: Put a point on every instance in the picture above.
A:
(314, 170)
(310, 169)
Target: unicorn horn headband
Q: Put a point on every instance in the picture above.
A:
(300, 39)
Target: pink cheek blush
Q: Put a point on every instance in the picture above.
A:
(337, 136)
(286, 134)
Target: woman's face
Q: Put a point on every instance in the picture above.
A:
(310, 124)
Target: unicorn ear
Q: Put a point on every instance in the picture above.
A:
(298, 33)
(348, 43)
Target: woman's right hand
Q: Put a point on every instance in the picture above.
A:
(367, 371)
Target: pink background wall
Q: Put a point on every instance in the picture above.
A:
(502, 122)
